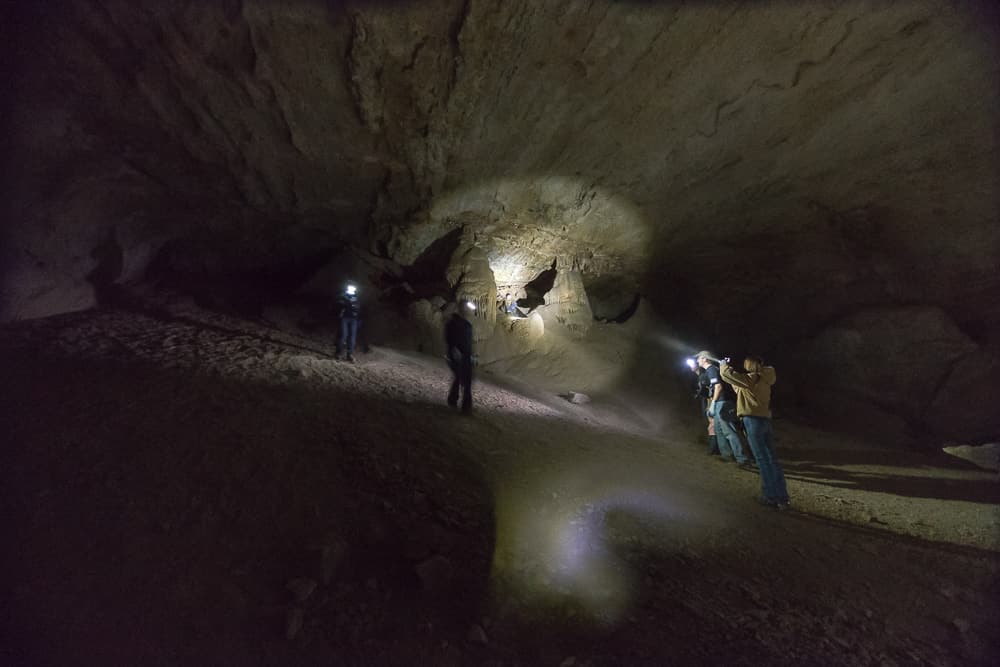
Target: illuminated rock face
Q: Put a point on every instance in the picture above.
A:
(566, 303)
(472, 280)
(757, 172)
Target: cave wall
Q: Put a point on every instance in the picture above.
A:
(760, 172)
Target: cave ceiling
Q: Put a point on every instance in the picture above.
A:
(811, 156)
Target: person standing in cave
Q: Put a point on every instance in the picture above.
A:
(753, 405)
(458, 343)
(722, 410)
(350, 318)
(702, 391)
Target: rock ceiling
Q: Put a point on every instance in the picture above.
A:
(790, 161)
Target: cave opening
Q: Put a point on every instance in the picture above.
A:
(536, 288)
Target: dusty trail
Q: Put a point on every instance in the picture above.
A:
(169, 474)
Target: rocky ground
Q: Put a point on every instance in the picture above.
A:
(188, 488)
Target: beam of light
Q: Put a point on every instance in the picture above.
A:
(559, 549)
(674, 344)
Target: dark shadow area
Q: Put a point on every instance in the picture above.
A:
(879, 457)
(823, 467)
(110, 261)
(426, 275)
(624, 316)
(237, 292)
(537, 288)
(157, 516)
(984, 491)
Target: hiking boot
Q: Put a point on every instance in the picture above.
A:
(766, 502)
(746, 466)
(783, 507)
(350, 358)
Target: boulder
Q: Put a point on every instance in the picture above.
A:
(895, 365)
(985, 456)
(957, 410)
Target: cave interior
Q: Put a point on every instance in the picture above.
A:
(614, 185)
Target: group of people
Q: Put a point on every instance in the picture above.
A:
(457, 335)
(731, 398)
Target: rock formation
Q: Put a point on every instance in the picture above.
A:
(763, 174)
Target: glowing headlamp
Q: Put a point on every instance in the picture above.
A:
(691, 362)
(352, 289)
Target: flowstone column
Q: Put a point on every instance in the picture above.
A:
(567, 302)
(470, 275)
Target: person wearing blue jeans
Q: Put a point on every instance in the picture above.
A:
(722, 410)
(727, 433)
(350, 317)
(753, 405)
(760, 435)
(348, 336)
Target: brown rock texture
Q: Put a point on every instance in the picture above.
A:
(757, 171)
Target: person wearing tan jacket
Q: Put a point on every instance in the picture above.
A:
(753, 406)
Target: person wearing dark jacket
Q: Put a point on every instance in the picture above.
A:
(458, 343)
(702, 390)
(350, 317)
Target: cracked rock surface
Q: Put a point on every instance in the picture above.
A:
(758, 172)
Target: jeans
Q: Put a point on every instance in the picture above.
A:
(726, 432)
(713, 447)
(761, 438)
(348, 334)
(461, 367)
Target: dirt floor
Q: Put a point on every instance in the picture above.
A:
(188, 488)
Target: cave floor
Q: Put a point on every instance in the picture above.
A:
(169, 473)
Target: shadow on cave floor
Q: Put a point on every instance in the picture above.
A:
(159, 516)
(166, 480)
(985, 491)
(872, 470)
(893, 458)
